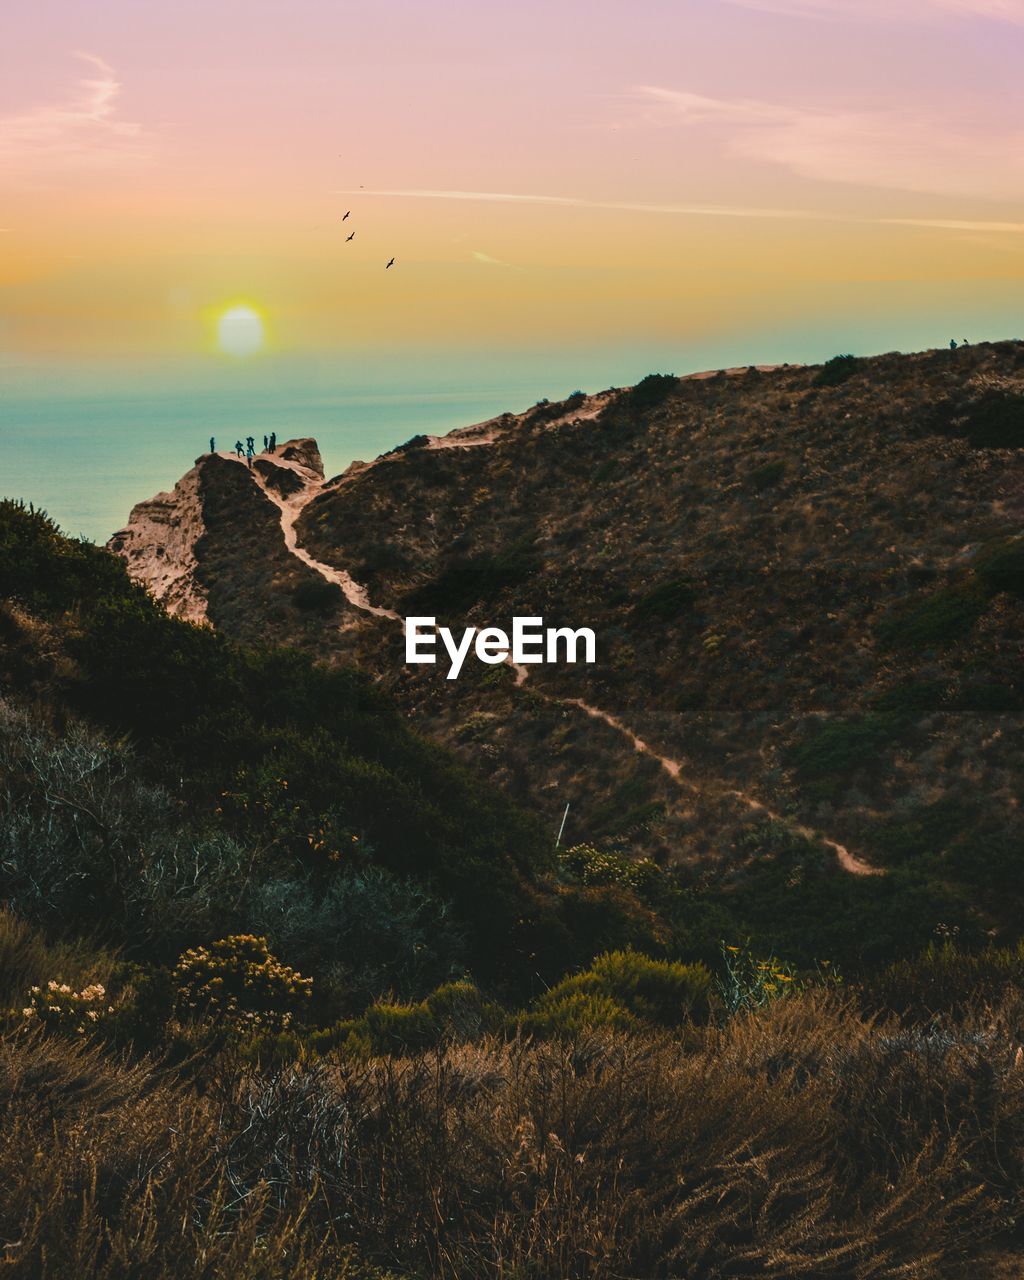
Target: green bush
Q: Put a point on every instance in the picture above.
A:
(624, 986)
(843, 746)
(650, 391)
(453, 1013)
(835, 371)
(49, 572)
(772, 473)
(1001, 567)
(315, 595)
(575, 1013)
(666, 602)
(935, 622)
(993, 419)
(927, 829)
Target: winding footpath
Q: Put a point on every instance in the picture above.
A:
(291, 509)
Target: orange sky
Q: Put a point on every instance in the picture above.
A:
(544, 174)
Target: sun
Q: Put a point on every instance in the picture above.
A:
(240, 331)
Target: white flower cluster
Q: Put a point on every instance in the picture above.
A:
(60, 1005)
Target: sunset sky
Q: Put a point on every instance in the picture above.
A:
(575, 193)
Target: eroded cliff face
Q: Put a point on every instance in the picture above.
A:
(159, 544)
(213, 548)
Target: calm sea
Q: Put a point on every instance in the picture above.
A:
(87, 454)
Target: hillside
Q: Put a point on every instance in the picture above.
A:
(806, 585)
(289, 991)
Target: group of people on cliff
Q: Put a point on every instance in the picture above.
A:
(248, 450)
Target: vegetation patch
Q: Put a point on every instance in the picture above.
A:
(474, 580)
(835, 371)
(649, 392)
(993, 420)
(766, 477)
(665, 602)
(842, 747)
(316, 595)
(936, 622)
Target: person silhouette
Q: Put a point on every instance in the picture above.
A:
(964, 342)
(952, 344)
(249, 451)
(213, 445)
(266, 444)
(250, 443)
(239, 447)
(273, 441)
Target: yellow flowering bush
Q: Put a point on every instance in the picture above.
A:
(60, 1007)
(236, 983)
(592, 866)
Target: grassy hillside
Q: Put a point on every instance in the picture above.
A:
(256, 770)
(288, 989)
(807, 587)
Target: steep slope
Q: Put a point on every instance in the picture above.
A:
(806, 587)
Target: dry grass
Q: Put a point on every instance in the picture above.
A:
(801, 1141)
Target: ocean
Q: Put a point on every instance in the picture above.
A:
(86, 453)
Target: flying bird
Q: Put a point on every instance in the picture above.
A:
(346, 214)
(390, 264)
(351, 237)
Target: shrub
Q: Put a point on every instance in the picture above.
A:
(577, 1012)
(454, 1012)
(58, 1007)
(666, 993)
(766, 476)
(591, 866)
(49, 572)
(314, 595)
(27, 958)
(991, 419)
(651, 391)
(835, 371)
(926, 829)
(365, 933)
(843, 746)
(236, 984)
(935, 622)
(945, 980)
(475, 579)
(666, 601)
(1001, 567)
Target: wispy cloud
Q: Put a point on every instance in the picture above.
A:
(904, 150)
(939, 224)
(574, 202)
(80, 134)
(493, 262)
(892, 10)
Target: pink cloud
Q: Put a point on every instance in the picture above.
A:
(898, 149)
(82, 133)
(892, 10)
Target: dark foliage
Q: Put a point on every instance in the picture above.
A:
(836, 371)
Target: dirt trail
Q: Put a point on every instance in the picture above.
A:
(674, 768)
(357, 596)
(291, 508)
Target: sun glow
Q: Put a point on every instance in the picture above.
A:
(240, 332)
